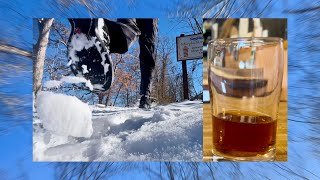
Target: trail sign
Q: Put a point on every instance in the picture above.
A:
(189, 47)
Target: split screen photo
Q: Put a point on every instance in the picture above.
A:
(160, 89)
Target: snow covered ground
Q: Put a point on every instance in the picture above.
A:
(164, 133)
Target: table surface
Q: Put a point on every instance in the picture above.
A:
(281, 138)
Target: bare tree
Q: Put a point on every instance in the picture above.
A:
(125, 87)
(219, 8)
(91, 170)
(55, 65)
(161, 76)
(39, 51)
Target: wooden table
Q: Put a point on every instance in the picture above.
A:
(281, 139)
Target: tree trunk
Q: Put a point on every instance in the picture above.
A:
(100, 97)
(127, 98)
(108, 98)
(39, 53)
(115, 99)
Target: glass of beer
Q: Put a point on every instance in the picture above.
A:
(245, 76)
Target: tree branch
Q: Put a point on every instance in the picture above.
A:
(63, 40)
(305, 10)
(14, 50)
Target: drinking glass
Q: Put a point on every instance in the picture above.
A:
(245, 76)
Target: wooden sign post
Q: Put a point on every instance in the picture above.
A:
(188, 48)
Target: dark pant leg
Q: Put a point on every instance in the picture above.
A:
(132, 22)
(148, 29)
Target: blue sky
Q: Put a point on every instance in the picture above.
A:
(16, 145)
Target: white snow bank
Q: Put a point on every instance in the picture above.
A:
(164, 133)
(64, 115)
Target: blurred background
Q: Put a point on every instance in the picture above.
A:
(216, 28)
(303, 88)
(244, 27)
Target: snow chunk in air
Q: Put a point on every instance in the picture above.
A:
(75, 80)
(52, 84)
(64, 115)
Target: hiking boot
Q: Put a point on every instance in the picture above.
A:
(145, 102)
(88, 52)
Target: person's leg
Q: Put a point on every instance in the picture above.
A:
(122, 33)
(131, 22)
(149, 29)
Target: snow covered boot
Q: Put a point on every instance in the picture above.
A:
(88, 52)
(145, 102)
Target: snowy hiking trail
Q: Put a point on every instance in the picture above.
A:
(169, 133)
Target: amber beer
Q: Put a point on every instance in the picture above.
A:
(243, 133)
(245, 77)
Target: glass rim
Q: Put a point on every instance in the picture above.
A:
(246, 39)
